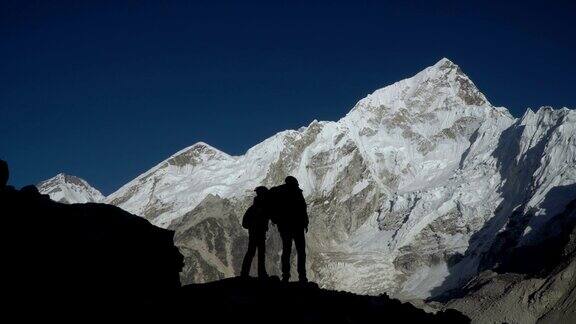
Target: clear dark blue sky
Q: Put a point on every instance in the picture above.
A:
(107, 89)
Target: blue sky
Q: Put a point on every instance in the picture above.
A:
(106, 90)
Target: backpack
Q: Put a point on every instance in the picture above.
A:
(249, 217)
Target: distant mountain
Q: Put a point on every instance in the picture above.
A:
(69, 189)
(408, 194)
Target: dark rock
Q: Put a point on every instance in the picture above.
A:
(82, 255)
(3, 173)
(238, 300)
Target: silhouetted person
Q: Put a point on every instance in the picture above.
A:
(3, 174)
(292, 220)
(256, 221)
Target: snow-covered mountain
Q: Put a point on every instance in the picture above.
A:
(408, 193)
(69, 189)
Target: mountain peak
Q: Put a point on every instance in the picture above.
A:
(62, 178)
(445, 63)
(195, 154)
(546, 115)
(199, 147)
(69, 189)
(67, 178)
(443, 69)
(202, 144)
(438, 87)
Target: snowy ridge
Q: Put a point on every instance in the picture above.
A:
(367, 116)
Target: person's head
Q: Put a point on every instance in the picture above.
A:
(261, 190)
(290, 180)
(4, 174)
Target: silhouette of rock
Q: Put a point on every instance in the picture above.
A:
(83, 256)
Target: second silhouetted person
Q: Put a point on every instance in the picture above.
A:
(256, 221)
(291, 218)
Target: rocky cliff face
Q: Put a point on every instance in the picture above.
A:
(407, 193)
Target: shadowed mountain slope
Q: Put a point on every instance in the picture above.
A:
(529, 283)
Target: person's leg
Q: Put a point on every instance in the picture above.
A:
(286, 250)
(250, 252)
(262, 256)
(300, 242)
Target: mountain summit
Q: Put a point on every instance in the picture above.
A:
(441, 86)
